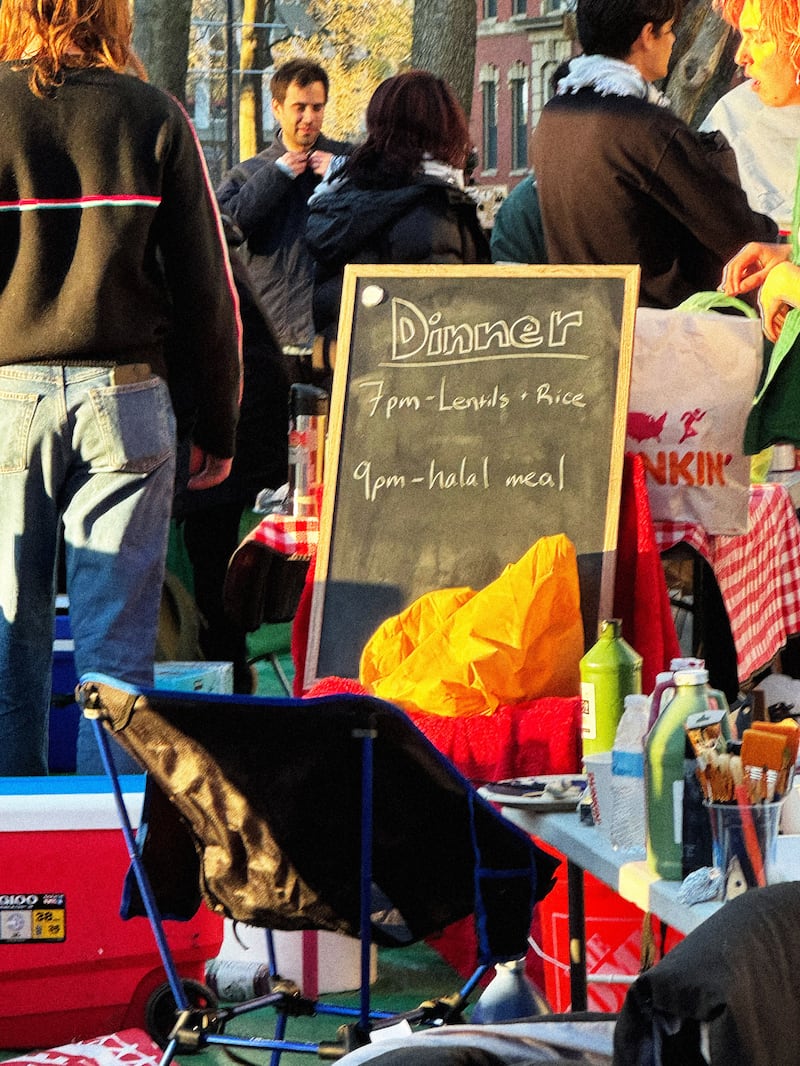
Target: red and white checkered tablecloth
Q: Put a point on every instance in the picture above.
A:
(758, 574)
(288, 535)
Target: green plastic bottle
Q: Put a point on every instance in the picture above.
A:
(610, 670)
(665, 759)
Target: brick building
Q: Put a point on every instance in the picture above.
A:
(519, 45)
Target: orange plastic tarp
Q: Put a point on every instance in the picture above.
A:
(461, 652)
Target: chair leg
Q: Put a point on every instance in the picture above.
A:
(280, 673)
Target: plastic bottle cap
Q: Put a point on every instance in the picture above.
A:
(691, 677)
(686, 664)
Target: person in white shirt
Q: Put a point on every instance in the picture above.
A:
(765, 141)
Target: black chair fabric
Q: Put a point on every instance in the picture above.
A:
(270, 792)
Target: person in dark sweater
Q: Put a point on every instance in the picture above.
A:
(114, 287)
(399, 198)
(622, 179)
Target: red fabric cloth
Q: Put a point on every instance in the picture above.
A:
(641, 599)
(329, 686)
(536, 737)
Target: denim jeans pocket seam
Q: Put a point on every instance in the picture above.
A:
(15, 436)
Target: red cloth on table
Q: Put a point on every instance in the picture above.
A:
(641, 598)
(535, 737)
(758, 574)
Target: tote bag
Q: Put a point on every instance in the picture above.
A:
(693, 378)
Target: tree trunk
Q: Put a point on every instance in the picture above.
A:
(254, 57)
(444, 43)
(702, 65)
(161, 40)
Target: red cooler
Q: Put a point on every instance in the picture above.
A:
(72, 968)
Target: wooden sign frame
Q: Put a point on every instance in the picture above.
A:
(468, 356)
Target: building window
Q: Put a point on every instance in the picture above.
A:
(490, 9)
(548, 85)
(519, 7)
(519, 123)
(489, 91)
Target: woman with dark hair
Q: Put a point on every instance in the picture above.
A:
(410, 118)
(399, 198)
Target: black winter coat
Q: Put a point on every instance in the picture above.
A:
(426, 222)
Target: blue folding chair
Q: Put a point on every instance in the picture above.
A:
(333, 813)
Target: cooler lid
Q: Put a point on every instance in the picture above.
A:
(79, 802)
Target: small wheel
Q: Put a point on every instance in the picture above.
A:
(161, 1013)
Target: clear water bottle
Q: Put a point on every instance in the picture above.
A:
(627, 780)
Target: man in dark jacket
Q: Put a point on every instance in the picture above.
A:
(267, 198)
(622, 179)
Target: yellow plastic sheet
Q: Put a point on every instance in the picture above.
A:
(460, 652)
(759, 466)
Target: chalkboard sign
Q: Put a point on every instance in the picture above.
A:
(474, 410)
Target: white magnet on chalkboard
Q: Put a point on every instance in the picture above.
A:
(372, 295)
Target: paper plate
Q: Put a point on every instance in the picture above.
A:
(551, 792)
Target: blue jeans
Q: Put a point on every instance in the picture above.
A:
(98, 458)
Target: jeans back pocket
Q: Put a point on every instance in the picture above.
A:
(133, 427)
